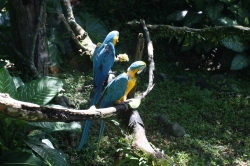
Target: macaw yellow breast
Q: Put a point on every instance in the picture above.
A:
(131, 84)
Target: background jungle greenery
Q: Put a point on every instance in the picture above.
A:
(214, 113)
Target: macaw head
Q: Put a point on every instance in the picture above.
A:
(113, 37)
(136, 67)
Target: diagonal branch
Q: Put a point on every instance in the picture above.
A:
(70, 31)
(77, 29)
(74, 29)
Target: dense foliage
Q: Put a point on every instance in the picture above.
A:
(201, 82)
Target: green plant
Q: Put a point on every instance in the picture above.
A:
(94, 26)
(39, 91)
(25, 143)
(17, 135)
(204, 15)
(132, 156)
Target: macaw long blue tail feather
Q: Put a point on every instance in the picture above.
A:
(94, 98)
(100, 135)
(95, 95)
(84, 134)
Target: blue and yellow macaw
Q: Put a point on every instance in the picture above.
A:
(103, 60)
(117, 90)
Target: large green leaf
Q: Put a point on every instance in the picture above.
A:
(21, 158)
(18, 82)
(213, 11)
(240, 61)
(94, 26)
(7, 84)
(57, 126)
(9, 133)
(234, 43)
(53, 156)
(56, 38)
(54, 57)
(240, 13)
(40, 91)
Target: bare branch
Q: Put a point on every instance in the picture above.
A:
(150, 60)
(77, 29)
(33, 112)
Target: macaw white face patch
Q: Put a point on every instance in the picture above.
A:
(141, 69)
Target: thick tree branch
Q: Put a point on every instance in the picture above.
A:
(71, 33)
(74, 29)
(33, 112)
(218, 32)
(141, 141)
(77, 29)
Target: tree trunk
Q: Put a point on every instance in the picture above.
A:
(28, 19)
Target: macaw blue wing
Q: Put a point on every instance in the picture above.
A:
(95, 55)
(104, 64)
(113, 91)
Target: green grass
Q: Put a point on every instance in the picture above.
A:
(216, 123)
(217, 128)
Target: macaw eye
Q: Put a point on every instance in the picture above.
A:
(141, 69)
